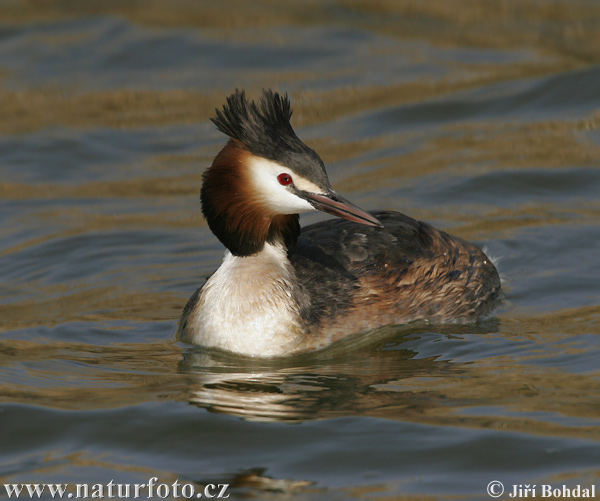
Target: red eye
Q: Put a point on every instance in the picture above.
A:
(284, 179)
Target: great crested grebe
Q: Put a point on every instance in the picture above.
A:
(280, 290)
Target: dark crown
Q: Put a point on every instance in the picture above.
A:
(264, 129)
(254, 123)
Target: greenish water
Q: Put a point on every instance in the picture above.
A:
(481, 118)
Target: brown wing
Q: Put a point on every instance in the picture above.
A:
(365, 276)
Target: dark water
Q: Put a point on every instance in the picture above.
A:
(481, 118)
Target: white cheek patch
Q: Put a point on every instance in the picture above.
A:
(278, 198)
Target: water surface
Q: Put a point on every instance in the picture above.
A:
(481, 118)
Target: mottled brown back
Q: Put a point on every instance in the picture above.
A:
(359, 277)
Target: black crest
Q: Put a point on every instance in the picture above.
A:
(265, 130)
(249, 122)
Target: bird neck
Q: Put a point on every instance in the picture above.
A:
(251, 305)
(233, 212)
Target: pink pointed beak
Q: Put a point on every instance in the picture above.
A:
(338, 206)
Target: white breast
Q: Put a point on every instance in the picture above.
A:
(247, 306)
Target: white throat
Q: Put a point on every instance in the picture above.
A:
(248, 306)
